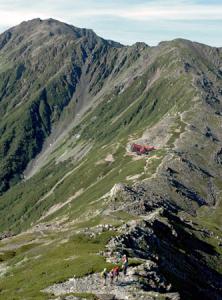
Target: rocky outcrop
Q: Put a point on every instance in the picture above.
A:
(5, 235)
(179, 254)
(141, 282)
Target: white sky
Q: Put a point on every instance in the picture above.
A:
(126, 21)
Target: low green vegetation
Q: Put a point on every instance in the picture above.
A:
(7, 255)
(53, 263)
(176, 130)
(16, 205)
(92, 178)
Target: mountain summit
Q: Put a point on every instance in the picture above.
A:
(43, 65)
(108, 150)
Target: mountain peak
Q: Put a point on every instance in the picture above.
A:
(39, 31)
(47, 25)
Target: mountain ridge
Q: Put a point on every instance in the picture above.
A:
(70, 109)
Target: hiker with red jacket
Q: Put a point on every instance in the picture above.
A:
(116, 270)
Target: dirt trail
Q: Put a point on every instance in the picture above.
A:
(3, 269)
(94, 284)
(59, 182)
(127, 287)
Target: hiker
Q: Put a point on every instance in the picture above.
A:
(116, 273)
(104, 275)
(111, 275)
(118, 258)
(125, 264)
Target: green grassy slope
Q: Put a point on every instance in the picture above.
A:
(34, 92)
(137, 109)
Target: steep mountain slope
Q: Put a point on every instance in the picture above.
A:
(36, 90)
(80, 113)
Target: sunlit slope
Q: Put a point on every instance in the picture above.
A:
(85, 175)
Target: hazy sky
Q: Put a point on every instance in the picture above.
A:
(126, 21)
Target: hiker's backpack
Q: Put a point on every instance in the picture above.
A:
(116, 271)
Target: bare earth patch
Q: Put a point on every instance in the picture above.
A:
(109, 158)
(58, 206)
(3, 269)
(134, 177)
